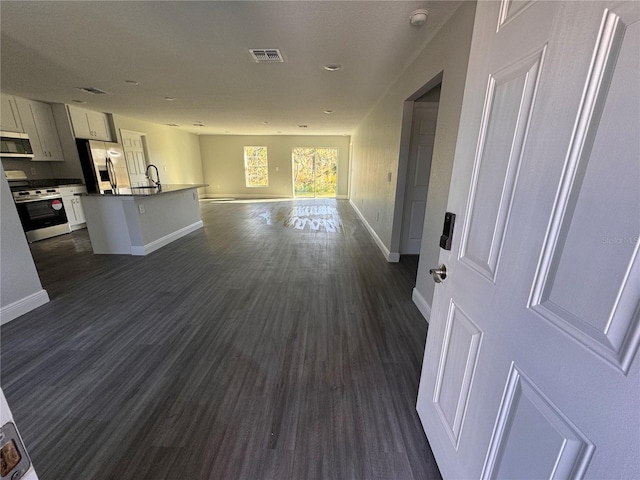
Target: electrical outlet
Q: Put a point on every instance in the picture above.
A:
(389, 176)
(141, 208)
(277, 169)
(164, 169)
(33, 171)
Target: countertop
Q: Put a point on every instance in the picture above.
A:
(146, 191)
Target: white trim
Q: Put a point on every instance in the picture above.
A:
(258, 196)
(22, 306)
(421, 303)
(342, 197)
(391, 257)
(167, 239)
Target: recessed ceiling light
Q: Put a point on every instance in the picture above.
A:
(328, 112)
(332, 67)
(303, 126)
(78, 101)
(169, 99)
(279, 131)
(172, 124)
(265, 123)
(198, 124)
(227, 131)
(131, 82)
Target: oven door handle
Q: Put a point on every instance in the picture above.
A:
(39, 199)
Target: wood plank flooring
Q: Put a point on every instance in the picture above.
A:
(275, 343)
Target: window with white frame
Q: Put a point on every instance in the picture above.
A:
(256, 167)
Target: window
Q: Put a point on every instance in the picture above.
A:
(256, 167)
(315, 171)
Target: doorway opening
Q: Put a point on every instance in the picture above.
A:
(423, 133)
(314, 172)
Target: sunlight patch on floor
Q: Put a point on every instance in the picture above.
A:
(315, 218)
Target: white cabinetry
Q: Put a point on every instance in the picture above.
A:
(89, 124)
(9, 116)
(73, 205)
(37, 120)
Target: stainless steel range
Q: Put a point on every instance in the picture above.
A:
(41, 212)
(40, 208)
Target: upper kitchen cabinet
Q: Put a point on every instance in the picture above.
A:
(89, 124)
(9, 116)
(37, 120)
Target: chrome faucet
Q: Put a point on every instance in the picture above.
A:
(156, 183)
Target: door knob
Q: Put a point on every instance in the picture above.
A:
(439, 274)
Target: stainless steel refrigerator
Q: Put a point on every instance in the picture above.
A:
(103, 165)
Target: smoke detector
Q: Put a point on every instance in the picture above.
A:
(418, 17)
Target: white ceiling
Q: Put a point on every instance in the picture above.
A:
(197, 53)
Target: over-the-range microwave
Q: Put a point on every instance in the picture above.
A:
(15, 145)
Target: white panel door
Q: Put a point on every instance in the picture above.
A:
(134, 155)
(531, 367)
(423, 132)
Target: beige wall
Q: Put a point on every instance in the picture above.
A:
(174, 152)
(376, 142)
(223, 163)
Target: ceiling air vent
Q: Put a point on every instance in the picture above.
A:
(92, 90)
(266, 55)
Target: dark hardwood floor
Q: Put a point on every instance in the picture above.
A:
(275, 343)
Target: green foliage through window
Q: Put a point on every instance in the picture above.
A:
(315, 171)
(256, 167)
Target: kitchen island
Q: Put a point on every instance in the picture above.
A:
(140, 220)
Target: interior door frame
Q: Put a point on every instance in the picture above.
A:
(143, 140)
(403, 164)
(419, 109)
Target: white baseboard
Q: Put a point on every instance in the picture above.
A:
(22, 306)
(79, 226)
(391, 258)
(421, 303)
(247, 196)
(167, 239)
(242, 196)
(394, 257)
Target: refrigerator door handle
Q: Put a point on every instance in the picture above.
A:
(112, 174)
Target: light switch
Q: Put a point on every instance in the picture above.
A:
(389, 176)
(141, 208)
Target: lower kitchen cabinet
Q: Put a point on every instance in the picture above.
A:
(73, 206)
